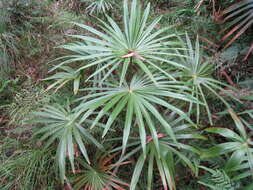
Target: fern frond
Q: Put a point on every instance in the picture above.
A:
(219, 180)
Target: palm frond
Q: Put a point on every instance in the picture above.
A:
(197, 73)
(138, 43)
(163, 158)
(137, 101)
(61, 126)
(68, 74)
(99, 175)
(98, 6)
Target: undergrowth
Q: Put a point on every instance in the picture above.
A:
(125, 94)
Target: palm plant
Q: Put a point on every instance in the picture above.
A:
(164, 157)
(98, 6)
(61, 125)
(197, 73)
(240, 18)
(138, 44)
(239, 145)
(68, 74)
(141, 99)
(99, 175)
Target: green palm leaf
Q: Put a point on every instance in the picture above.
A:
(99, 175)
(197, 73)
(114, 48)
(98, 6)
(163, 157)
(68, 74)
(61, 126)
(137, 101)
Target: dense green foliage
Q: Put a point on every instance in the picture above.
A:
(126, 94)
